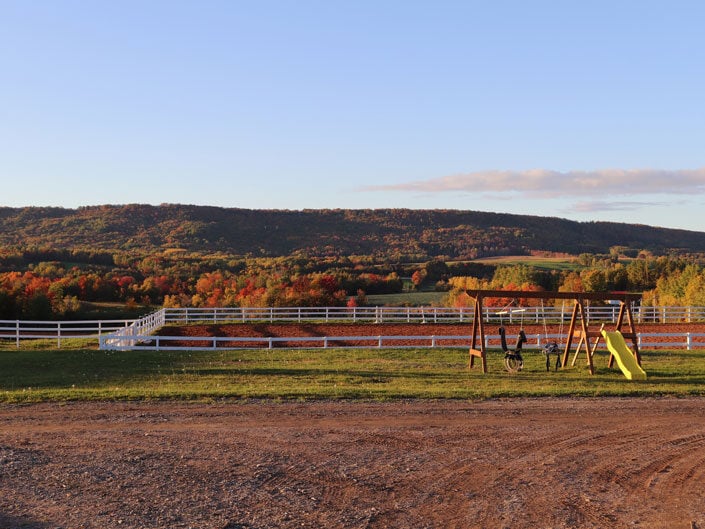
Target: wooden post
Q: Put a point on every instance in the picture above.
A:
(626, 310)
(586, 342)
(477, 326)
(571, 332)
(632, 331)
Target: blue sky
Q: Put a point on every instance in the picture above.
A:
(584, 110)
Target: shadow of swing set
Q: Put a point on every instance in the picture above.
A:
(628, 359)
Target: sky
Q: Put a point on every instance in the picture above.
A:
(592, 111)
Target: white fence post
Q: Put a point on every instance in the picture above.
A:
(126, 336)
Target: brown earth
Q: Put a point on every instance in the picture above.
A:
(559, 463)
(385, 329)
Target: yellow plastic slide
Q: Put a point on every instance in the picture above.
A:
(624, 356)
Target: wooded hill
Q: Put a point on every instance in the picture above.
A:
(396, 234)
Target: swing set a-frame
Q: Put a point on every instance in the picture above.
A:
(579, 324)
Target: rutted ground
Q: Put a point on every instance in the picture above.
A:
(509, 463)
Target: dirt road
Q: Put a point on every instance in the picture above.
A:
(535, 463)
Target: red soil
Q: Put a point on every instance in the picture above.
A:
(559, 463)
(384, 329)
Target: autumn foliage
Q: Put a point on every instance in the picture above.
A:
(35, 286)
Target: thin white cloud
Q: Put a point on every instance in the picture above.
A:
(548, 184)
(597, 205)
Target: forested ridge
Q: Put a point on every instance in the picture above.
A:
(395, 234)
(65, 263)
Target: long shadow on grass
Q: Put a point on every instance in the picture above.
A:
(83, 368)
(272, 371)
(675, 354)
(611, 377)
(48, 369)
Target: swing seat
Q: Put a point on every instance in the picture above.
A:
(513, 361)
(550, 349)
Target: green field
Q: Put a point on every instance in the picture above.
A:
(89, 374)
(404, 299)
(543, 263)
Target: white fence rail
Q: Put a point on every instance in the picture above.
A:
(134, 333)
(647, 341)
(161, 343)
(527, 315)
(119, 333)
(17, 330)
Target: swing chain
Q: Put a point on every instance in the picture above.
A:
(551, 348)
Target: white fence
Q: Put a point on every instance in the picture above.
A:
(647, 341)
(16, 330)
(121, 333)
(608, 313)
(162, 343)
(135, 333)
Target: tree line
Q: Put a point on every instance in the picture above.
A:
(663, 280)
(394, 235)
(40, 283)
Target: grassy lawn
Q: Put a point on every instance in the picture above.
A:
(414, 299)
(545, 263)
(113, 310)
(85, 374)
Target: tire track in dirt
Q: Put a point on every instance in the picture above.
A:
(524, 464)
(558, 463)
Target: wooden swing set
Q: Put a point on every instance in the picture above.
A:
(579, 325)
